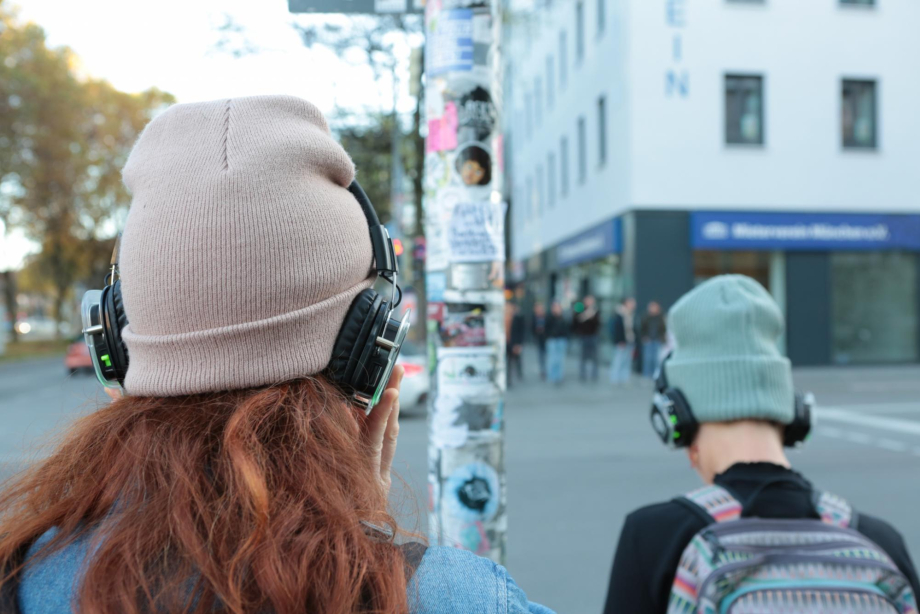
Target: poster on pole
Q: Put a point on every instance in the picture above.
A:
(465, 372)
(450, 42)
(477, 232)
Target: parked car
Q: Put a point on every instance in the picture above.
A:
(413, 394)
(78, 358)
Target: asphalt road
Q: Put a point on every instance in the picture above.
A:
(579, 458)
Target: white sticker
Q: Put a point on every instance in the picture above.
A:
(467, 372)
(390, 6)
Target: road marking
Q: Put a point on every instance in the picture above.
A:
(892, 444)
(830, 431)
(858, 438)
(897, 425)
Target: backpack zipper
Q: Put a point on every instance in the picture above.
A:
(779, 559)
(727, 607)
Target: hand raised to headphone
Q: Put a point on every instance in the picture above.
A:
(381, 428)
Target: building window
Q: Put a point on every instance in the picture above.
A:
(550, 81)
(538, 100)
(580, 30)
(582, 150)
(564, 167)
(602, 130)
(528, 114)
(857, 2)
(563, 58)
(531, 199)
(551, 180)
(601, 16)
(538, 179)
(744, 109)
(859, 114)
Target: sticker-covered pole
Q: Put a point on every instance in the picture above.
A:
(464, 231)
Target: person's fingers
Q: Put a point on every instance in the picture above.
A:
(390, 437)
(376, 423)
(396, 377)
(114, 393)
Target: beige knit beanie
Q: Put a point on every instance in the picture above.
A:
(243, 248)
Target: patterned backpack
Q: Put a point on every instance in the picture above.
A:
(762, 566)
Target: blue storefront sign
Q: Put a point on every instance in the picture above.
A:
(718, 230)
(600, 241)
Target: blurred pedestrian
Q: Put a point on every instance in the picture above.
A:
(557, 343)
(242, 472)
(624, 341)
(654, 336)
(514, 343)
(726, 396)
(539, 335)
(586, 327)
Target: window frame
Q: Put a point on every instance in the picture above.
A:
(551, 180)
(564, 177)
(579, 32)
(563, 59)
(727, 129)
(602, 130)
(852, 145)
(601, 17)
(582, 130)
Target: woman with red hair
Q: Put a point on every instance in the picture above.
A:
(239, 472)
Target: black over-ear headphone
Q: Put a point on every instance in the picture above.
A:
(364, 352)
(676, 426)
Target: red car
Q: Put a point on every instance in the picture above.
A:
(78, 357)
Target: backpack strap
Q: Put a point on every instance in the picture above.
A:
(713, 503)
(834, 510)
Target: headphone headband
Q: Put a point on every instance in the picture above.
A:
(382, 244)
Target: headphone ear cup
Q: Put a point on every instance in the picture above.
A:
(115, 321)
(352, 339)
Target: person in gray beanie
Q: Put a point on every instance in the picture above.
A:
(726, 396)
(242, 471)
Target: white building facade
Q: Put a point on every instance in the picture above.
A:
(652, 144)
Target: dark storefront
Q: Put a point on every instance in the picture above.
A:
(848, 283)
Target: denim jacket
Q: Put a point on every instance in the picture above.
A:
(447, 580)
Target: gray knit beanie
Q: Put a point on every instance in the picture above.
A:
(243, 248)
(727, 361)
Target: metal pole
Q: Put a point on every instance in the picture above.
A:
(464, 227)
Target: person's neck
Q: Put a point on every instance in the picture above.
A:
(746, 441)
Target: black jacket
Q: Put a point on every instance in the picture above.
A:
(556, 327)
(516, 334)
(618, 330)
(654, 328)
(654, 537)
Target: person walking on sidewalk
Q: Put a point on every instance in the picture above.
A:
(624, 341)
(514, 343)
(586, 328)
(539, 334)
(557, 344)
(654, 334)
(758, 537)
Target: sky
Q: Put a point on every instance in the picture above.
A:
(172, 45)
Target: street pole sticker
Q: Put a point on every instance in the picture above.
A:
(472, 492)
(450, 42)
(467, 372)
(477, 232)
(391, 6)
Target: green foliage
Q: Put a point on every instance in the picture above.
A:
(63, 142)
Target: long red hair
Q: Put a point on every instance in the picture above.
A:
(243, 501)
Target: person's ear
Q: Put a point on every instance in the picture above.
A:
(693, 455)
